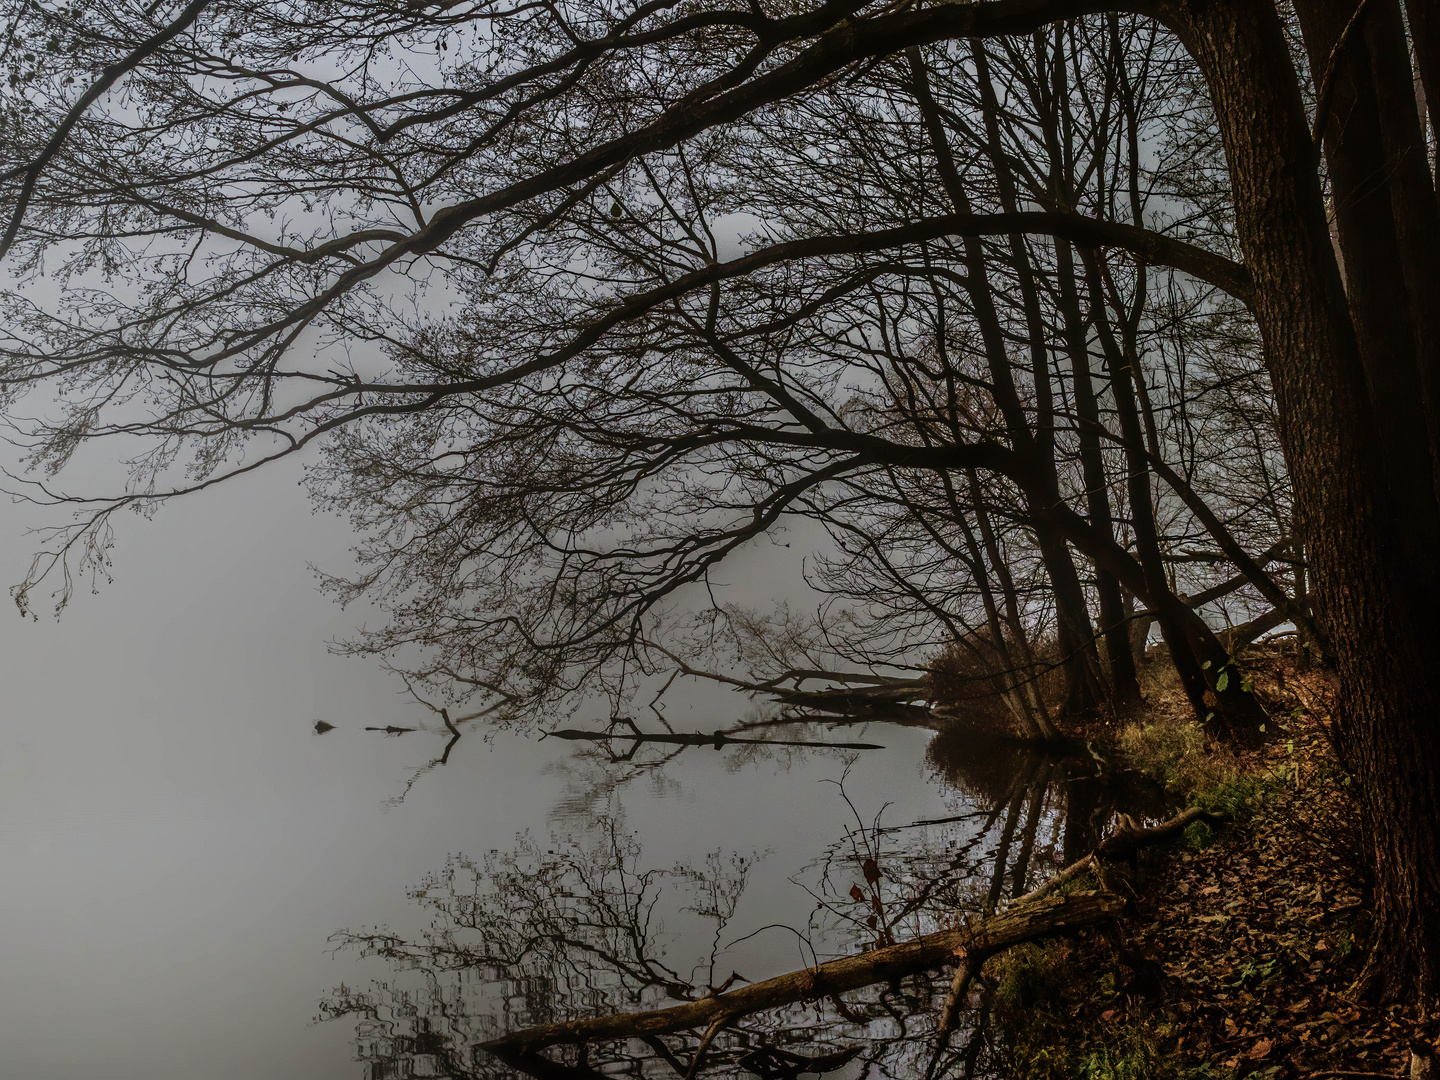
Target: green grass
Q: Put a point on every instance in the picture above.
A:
(1181, 759)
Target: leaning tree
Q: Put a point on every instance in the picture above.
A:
(481, 250)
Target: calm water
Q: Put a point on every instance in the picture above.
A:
(179, 850)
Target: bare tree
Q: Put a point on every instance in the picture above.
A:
(478, 251)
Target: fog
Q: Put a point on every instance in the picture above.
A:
(177, 844)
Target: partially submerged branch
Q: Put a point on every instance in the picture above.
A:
(716, 739)
(1027, 922)
(1123, 843)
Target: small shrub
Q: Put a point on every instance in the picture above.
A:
(1199, 834)
(1172, 753)
(1235, 796)
(974, 677)
(1028, 977)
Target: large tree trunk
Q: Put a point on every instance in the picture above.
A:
(1385, 639)
(1376, 233)
(1425, 33)
(1074, 636)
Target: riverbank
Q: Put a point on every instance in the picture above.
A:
(1241, 946)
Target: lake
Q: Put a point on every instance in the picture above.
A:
(180, 849)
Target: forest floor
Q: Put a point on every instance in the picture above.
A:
(1250, 936)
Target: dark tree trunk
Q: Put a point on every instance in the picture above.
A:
(1029, 686)
(1075, 639)
(1142, 512)
(1425, 33)
(1124, 686)
(1018, 677)
(1365, 168)
(1385, 637)
(1193, 654)
(1074, 636)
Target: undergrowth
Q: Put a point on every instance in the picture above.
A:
(1068, 1011)
(1055, 1010)
(1192, 769)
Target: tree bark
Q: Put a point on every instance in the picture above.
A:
(1385, 641)
(1367, 170)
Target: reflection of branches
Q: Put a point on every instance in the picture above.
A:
(450, 725)
(560, 939)
(543, 933)
(559, 918)
(527, 938)
(1046, 917)
(601, 768)
(433, 763)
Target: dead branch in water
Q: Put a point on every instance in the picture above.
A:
(1042, 918)
(1121, 844)
(1038, 914)
(716, 739)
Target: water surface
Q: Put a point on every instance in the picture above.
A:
(178, 847)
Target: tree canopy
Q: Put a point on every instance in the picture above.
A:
(1033, 306)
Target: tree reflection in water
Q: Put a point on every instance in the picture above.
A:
(583, 927)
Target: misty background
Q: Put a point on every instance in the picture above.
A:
(177, 845)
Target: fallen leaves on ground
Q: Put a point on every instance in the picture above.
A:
(1261, 934)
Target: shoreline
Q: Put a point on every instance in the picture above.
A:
(1238, 952)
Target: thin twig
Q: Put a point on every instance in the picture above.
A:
(108, 77)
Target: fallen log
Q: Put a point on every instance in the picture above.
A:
(1038, 914)
(1042, 918)
(1123, 843)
